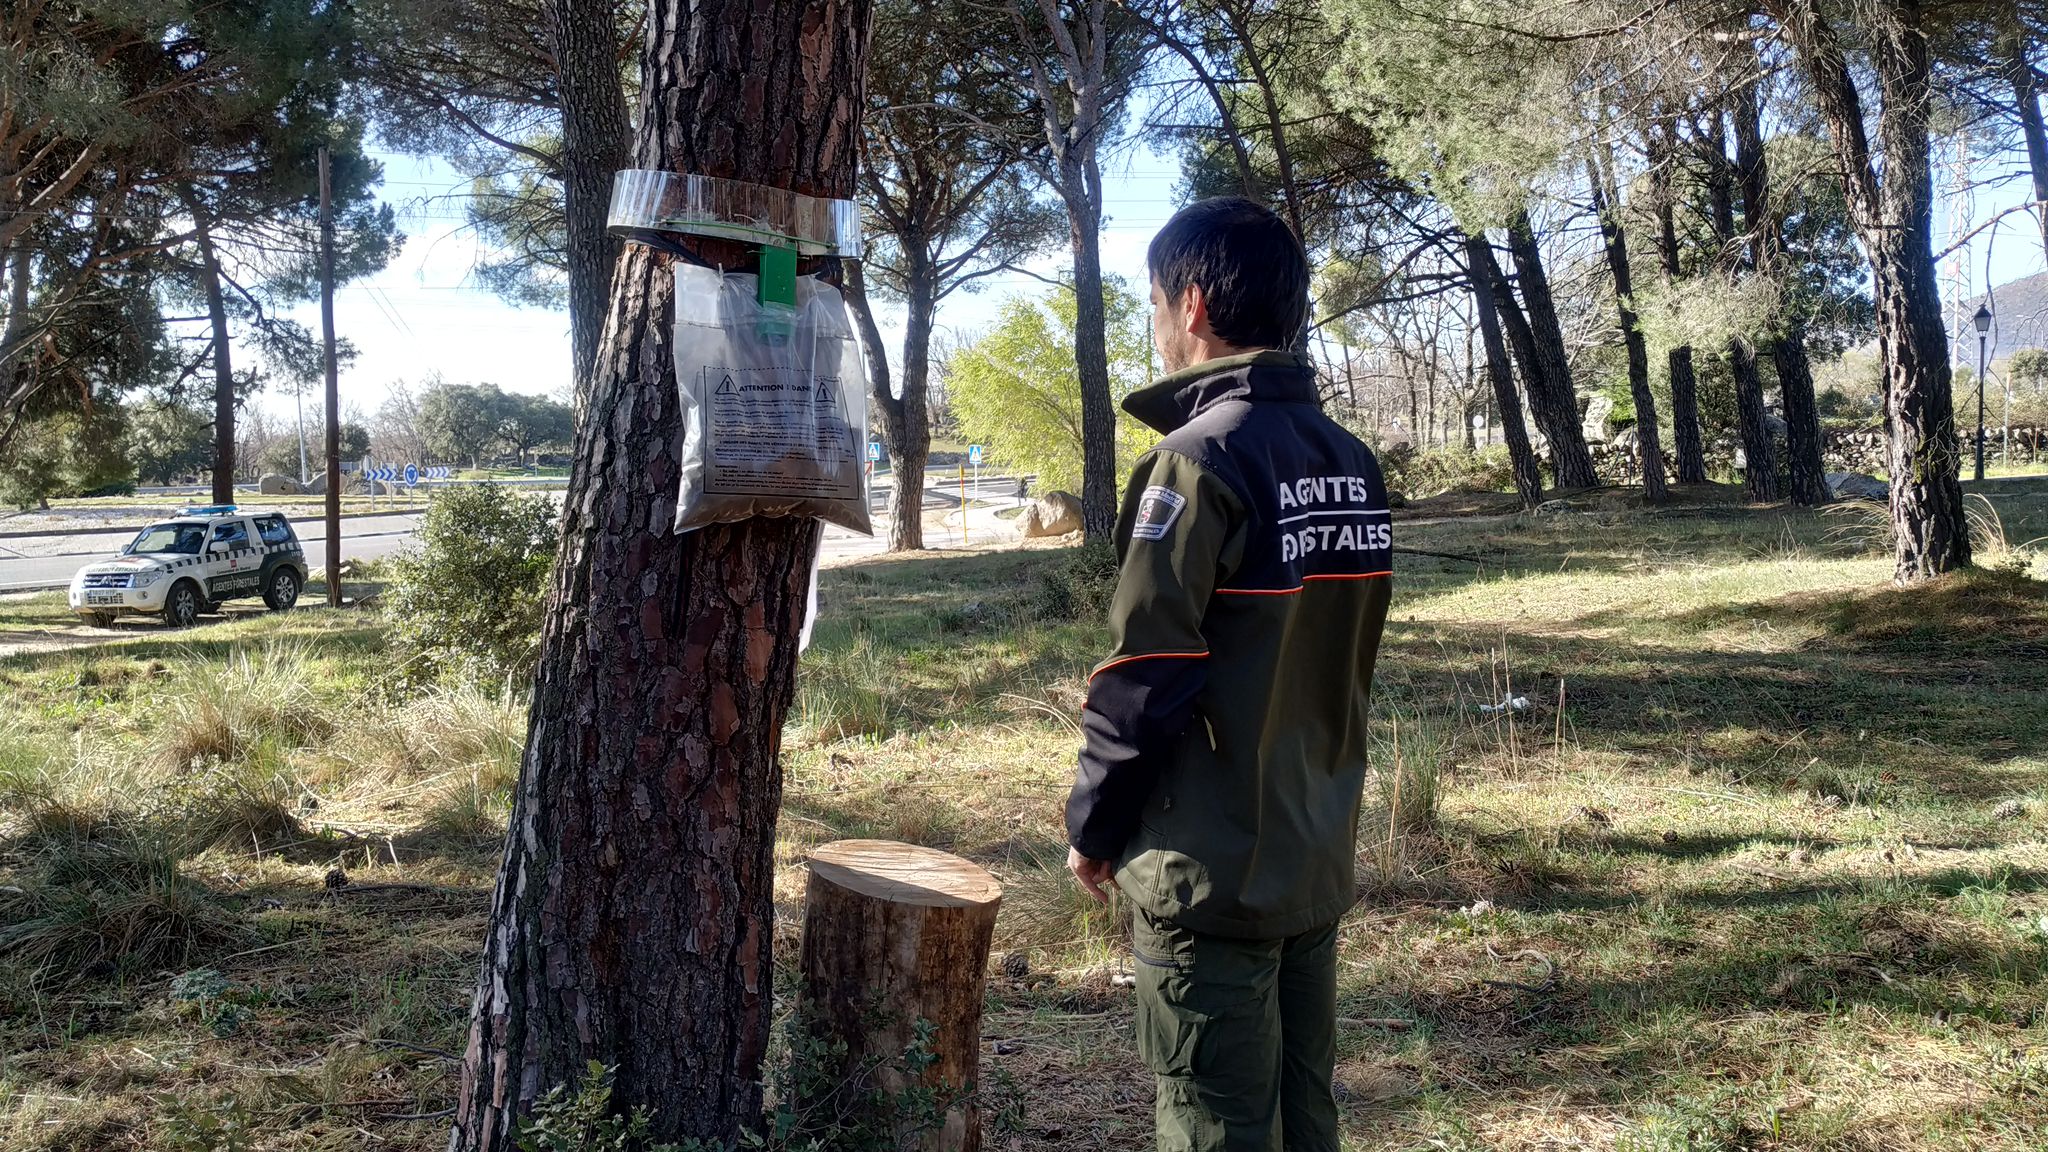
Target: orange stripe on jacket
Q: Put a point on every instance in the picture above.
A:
(1304, 581)
(1148, 656)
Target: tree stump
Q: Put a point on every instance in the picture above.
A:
(895, 934)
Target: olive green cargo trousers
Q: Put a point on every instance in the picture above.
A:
(1242, 1035)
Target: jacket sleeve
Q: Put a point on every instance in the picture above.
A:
(1180, 533)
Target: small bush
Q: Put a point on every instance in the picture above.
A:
(1079, 585)
(583, 1121)
(466, 604)
(1438, 470)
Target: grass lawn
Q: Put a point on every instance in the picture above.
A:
(1761, 864)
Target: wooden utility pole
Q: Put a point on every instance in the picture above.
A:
(333, 385)
(634, 914)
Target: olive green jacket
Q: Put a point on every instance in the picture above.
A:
(1226, 732)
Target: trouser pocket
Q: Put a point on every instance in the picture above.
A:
(1209, 1027)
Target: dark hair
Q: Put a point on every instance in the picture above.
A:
(1250, 268)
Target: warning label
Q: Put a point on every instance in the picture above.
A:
(775, 432)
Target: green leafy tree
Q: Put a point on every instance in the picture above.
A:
(529, 422)
(466, 603)
(168, 442)
(462, 421)
(947, 201)
(283, 454)
(1015, 389)
(66, 453)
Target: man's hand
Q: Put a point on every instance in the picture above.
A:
(1092, 874)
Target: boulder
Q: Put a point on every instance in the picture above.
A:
(350, 485)
(1053, 514)
(1629, 439)
(274, 484)
(1856, 486)
(1596, 426)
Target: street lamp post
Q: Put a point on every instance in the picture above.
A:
(1983, 321)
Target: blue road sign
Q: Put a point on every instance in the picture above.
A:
(974, 455)
(874, 451)
(412, 475)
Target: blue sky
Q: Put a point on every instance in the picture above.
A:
(424, 315)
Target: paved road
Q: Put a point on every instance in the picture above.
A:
(48, 561)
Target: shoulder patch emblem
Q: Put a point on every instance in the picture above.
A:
(1158, 508)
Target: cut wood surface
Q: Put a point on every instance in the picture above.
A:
(895, 934)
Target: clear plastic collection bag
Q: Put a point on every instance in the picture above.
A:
(774, 403)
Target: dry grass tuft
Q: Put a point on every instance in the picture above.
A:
(229, 709)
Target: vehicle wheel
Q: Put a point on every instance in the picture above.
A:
(181, 607)
(281, 591)
(100, 619)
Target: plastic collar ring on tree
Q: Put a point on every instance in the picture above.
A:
(652, 207)
(645, 201)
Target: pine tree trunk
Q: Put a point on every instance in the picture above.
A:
(911, 447)
(633, 915)
(1514, 325)
(1804, 452)
(1528, 477)
(1655, 490)
(223, 363)
(583, 35)
(1688, 444)
(1788, 341)
(2027, 100)
(1894, 218)
(1759, 451)
(1552, 399)
(1099, 482)
(1760, 464)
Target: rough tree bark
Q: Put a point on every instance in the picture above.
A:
(1688, 444)
(1552, 400)
(633, 915)
(1091, 357)
(2027, 100)
(1073, 105)
(223, 362)
(1752, 425)
(1894, 217)
(1655, 490)
(1484, 270)
(911, 446)
(582, 35)
(906, 416)
(1514, 325)
(1803, 455)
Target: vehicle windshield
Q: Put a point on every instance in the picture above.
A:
(183, 538)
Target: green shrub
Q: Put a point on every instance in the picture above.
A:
(1078, 585)
(1435, 471)
(466, 604)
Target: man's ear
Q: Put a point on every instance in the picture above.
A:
(1194, 309)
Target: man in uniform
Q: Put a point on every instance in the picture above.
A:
(1225, 750)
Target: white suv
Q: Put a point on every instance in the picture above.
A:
(189, 564)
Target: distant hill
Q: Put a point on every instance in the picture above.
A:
(2020, 311)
